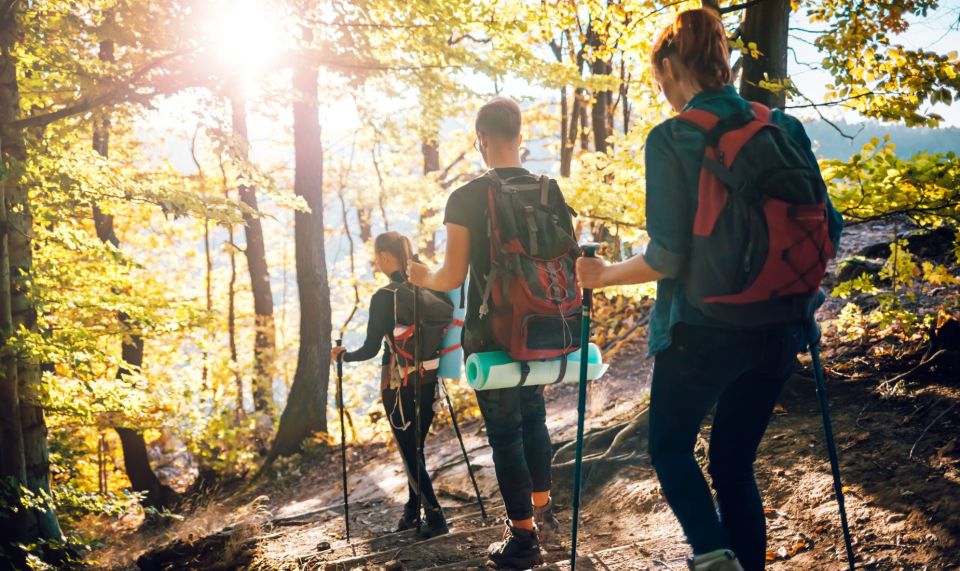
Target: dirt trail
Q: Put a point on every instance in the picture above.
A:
(905, 511)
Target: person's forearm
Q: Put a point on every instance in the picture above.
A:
(441, 279)
(636, 270)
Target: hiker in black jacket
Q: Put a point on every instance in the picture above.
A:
(392, 251)
(515, 418)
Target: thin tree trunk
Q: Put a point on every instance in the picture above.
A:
(208, 259)
(572, 128)
(305, 412)
(624, 95)
(136, 462)
(265, 341)
(600, 112)
(766, 23)
(431, 163)
(584, 123)
(564, 111)
(365, 222)
(24, 456)
(231, 302)
(208, 277)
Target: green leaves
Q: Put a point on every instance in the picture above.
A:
(875, 183)
(876, 77)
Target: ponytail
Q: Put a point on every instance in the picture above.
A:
(697, 40)
(398, 246)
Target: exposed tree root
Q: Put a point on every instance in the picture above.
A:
(625, 440)
(592, 439)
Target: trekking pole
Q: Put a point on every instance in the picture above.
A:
(416, 395)
(831, 446)
(343, 441)
(466, 459)
(589, 251)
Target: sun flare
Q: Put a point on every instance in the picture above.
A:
(248, 36)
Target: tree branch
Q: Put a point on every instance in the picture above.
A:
(738, 7)
(119, 93)
(127, 90)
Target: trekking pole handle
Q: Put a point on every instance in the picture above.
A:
(589, 249)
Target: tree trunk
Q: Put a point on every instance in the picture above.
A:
(364, 220)
(625, 95)
(231, 301)
(565, 152)
(584, 123)
(142, 478)
(305, 412)
(136, 462)
(767, 24)
(24, 456)
(600, 113)
(431, 163)
(572, 129)
(265, 341)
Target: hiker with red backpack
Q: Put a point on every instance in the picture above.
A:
(513, 231)
(741, 230)
(391, 322)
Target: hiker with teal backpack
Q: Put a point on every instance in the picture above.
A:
(391, 322)
(741, 230)
(513, 231)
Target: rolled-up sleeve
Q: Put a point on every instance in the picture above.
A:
(668, 206)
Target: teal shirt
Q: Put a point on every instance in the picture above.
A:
(674, 152)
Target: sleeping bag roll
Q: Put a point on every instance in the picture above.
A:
(451, 353)
(496, 370)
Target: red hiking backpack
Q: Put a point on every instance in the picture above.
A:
(531, 306)
(760, 236)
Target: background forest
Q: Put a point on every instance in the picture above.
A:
(190, 189)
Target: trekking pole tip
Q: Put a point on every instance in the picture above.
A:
(589, 249)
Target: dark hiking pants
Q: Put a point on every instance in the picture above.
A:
(407, 438)
(516, 422)
(742, 373)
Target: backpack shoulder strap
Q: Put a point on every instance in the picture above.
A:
(698, 117)
(762, 112)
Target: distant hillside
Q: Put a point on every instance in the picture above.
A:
(828, 143)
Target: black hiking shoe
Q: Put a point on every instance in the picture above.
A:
(434, 524)
(547, 524)
(410, 518)
(520, 549)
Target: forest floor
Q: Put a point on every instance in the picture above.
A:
(899, 448)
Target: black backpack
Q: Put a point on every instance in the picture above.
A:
(436, 315)
(760, 235)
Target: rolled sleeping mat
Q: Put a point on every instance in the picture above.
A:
(496, 370)
(451, 353)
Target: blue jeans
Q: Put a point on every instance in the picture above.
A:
(742, 373)
(516, 421)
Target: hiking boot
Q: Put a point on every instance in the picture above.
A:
(547, 524)
(520, 549)
(410, 518)
(434, 524)
(719, 560)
